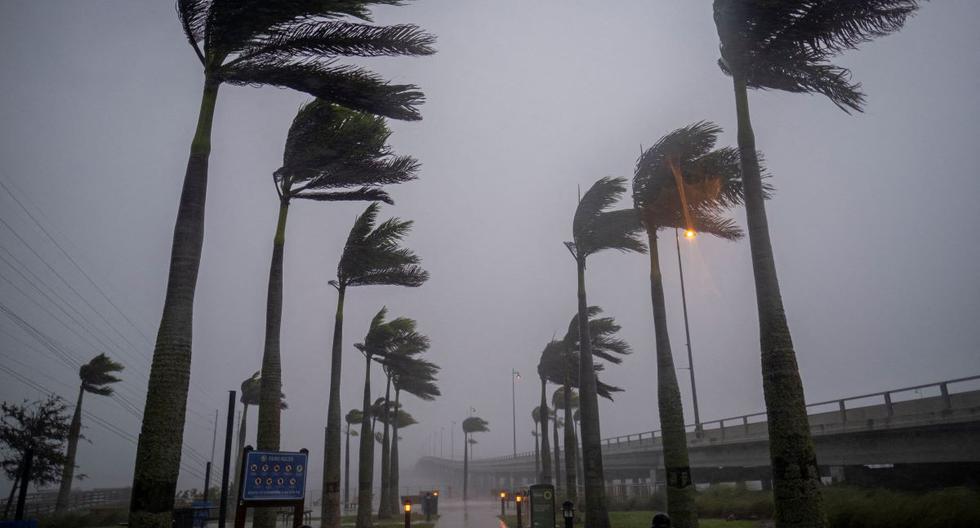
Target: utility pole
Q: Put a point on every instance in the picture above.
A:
(452, 442)
(687, 333)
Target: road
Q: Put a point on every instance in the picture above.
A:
(472, 514)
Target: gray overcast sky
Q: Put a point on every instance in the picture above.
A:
(872, 222)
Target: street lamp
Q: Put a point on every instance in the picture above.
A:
(408, 513)
(517, 502)
(688, 234)
(503, 503)
(514, 377)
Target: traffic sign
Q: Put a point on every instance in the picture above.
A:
(274, 476)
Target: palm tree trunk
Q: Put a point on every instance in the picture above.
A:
(68, 471)
(545, 447)
(571, 451)
(162, 431)
(578, 456)
(347, 468)
(796, 479)
(270, 391)
(365, 473)
(330, 508)
(10, 497)
(680, 488)
(596, 511)
(537, 452)
(393, 496)
(466, 466)
(555, 450)
(384, 507)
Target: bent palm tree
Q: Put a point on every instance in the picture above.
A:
(353, 417)
(383, 338)
(332, 154)
(595, 229)
(416, 377)
(606, 346)
(788, 46)
(473, 424)
(286, 43)
(372, 256)
(97, 377)
(681, 183)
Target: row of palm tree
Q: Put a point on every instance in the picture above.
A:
(293, 44)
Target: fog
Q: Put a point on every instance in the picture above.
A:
(872, 218)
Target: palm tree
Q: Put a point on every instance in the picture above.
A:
(473, 424)
(788, 46)
(331, 154)
(353, 417)
(416, 377)
(566, 399)
(97, 377)
(372, 256)
(286, 43)
(596, 229)
(383, 338)
(681, 183)
(549, 363)
(606, 346)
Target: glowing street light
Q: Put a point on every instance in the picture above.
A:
(690, 233)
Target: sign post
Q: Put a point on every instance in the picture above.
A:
(542, 506)
(272, 479)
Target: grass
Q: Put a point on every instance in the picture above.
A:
(641, 519)
(398, 521)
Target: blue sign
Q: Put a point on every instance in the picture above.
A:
(274, 476)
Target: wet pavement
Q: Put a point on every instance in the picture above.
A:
(472, 514)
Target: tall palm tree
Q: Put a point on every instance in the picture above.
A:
(285, 43)
(556, 423)
(606, 346)
(681, 183)
(353, 417)
(788, 46)
(473, 424)
(383, 338)
(331, 154)
(595, 229)
(372, 256)
(416, 377)
(566, 399)
(97, 377)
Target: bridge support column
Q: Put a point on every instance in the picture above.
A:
(836, 474)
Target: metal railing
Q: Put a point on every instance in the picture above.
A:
(744, 419)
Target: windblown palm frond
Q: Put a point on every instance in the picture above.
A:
(558, 398)
(602, 332)
(372, 255)
(554, 365)
(788, 45)
(595, 229)
(295, 43)
(416, 377)
(97, 375)
(354, 417)
(251, 388)
(330, 149)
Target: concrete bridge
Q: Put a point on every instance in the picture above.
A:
(908, 437)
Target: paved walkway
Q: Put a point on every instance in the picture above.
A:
(472, 514)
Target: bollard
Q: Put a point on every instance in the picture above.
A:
(408, 513)
(660, 520)
(517, 502)
(428, 507)
(568, 513)
(503, 503)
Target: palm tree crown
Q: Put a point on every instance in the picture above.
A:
(595, 228)
(789, 45)
(333, 154)
(295, 44)
(372, 255)
(97, 375)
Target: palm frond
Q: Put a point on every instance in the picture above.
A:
(788, 45)
(317, 37)
(98, 374)
(475, 424)
(193, 15)
(363, 194)
(348, 86)
(373, 255)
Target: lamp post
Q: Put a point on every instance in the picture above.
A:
(503, 503)
(452, 442)
(517, 502)
(688, 234)
(408, 513)
(514, 376)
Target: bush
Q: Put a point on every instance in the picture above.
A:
(721, 502)
(849, 507)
